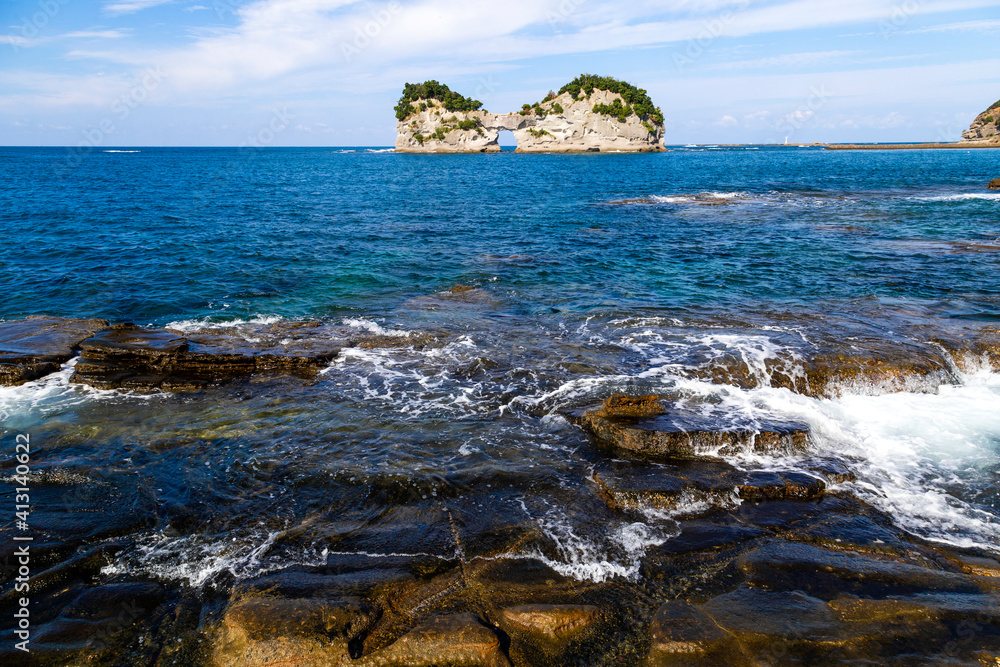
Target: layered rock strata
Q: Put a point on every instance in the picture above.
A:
(36, 346)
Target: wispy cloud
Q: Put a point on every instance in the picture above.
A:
(789, 60)
(964, 26)
(132, 6)
(96, 34)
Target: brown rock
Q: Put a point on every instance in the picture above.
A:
(666, 437)
(781, 486)
(683, 634)
(130, 357)
(278, 631)
(827, 573)
(631, 487)
(36, 346)
(445, 641)
(620, 405)
(546, 630)
(994, 184)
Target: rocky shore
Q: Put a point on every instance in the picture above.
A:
(780, 567)
(126, 356)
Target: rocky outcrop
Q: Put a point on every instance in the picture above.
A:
(562, 123)
(125, 356)
(130, 357)
(642, 425)
(36, 346)
(994, 184)
(985, 128)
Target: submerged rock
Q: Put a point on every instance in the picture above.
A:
(793, 627)
(458, 640)
(37, 345)
(540, 633)
(682, 634)
(268, 631)
(643, 426)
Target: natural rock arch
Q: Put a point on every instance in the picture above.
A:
(562, 123)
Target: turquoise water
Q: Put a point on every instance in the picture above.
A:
(166, 234)
(592, 274)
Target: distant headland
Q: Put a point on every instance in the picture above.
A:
(983, 133)
(589, 114)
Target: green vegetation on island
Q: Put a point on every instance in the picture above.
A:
(432, 90)
(637, 100)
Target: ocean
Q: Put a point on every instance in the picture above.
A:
(537, 285)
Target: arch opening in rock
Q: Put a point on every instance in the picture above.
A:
(506, 139)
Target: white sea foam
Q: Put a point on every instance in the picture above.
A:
(920, 453)
(964, 196)
(416, 382)
(186, 326)
(374, 327)
(113, 151)
(55, 393)
(196, 560)
(584, 556)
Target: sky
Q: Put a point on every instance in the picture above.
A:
(328, 72)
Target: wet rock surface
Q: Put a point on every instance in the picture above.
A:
(646, 427)
(38, 345)
(130, 357)
(543, 632)
(749, 565)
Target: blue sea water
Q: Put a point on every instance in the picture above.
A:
(591, 274)
(163, 234)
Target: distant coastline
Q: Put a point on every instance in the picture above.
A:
(910, 147)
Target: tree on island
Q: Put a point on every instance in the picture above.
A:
(432, 90)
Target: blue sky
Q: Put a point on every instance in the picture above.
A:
(328, 72)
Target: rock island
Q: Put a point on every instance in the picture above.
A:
(589, 114)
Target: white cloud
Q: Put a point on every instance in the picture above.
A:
(727, 121)
(132, 6)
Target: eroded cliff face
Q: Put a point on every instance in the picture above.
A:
(566, 125)
(985, 128)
